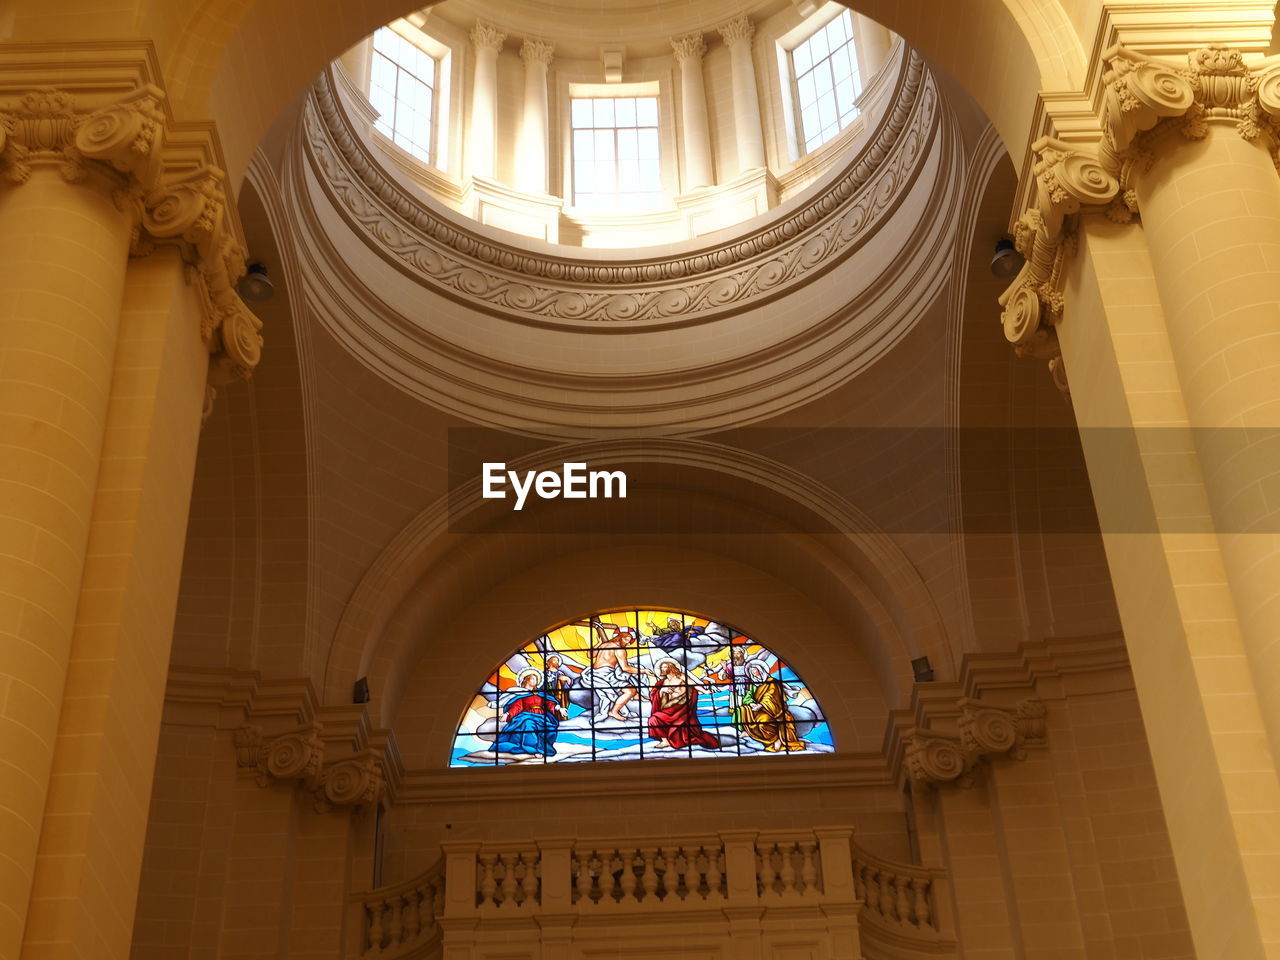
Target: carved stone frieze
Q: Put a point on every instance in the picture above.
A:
(122, 145)
(515, 283)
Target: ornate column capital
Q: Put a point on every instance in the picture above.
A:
(537, 52)
(691, 46)
(983, 731)
(738, 29)
(125, 144)
(485, 36)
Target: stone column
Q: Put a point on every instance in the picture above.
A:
(106, 364)
(872, 41)
(693, 107)
(1169, 334)
(531, 154)
(487, 41)
(737, 35)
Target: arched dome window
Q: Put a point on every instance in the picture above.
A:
(825, 82)
(403, 82)
(639, 684)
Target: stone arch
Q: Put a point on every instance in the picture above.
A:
(859, 574)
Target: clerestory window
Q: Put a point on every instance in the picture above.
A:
(825, 81)
(403, 81)
(616, 162)
(639, 684)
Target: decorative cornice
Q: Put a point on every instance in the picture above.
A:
(520, 285)
(738, 29)
(691, 46)
(537, 52)
(122, 145)
(485, 36)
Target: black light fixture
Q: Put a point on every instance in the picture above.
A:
(360, 692)
(920, 667)
(255, 286)
(1006, 261)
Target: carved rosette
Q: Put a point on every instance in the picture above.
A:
(122, 145)
(691, 46)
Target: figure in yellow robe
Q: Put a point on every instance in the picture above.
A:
(763, 715)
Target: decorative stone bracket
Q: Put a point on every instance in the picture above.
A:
(299, 756)
(1143, 100)
(123, 145)
(984, 732)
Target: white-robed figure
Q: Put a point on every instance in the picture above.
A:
(612, 675)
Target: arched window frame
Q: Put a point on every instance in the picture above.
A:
(617, 685)
(787, 45)
(441, 58)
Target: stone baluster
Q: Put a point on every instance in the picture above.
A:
(887, 896)
(787, 875)
(508, 887)
(872, 891)
(628, 858)
(808, 869)
(768, 875)
(715, 873)
(648, 876)
(902, 884)
(920, 893)
(395, 923)
(412, 913)
(376, 936)
(488, 882)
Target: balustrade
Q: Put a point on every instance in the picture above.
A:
(672, 877)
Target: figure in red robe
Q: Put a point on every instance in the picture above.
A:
(674, 719)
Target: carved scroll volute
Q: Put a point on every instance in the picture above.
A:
(297, 755)
(933, 759)
(128, 134)
(352, 782)
(987, 730)
(1139, 91)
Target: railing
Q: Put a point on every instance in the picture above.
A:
(894, 892)
(821, 873)
(397, 921)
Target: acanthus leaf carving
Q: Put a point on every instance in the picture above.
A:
(124, 142)
(691, 46)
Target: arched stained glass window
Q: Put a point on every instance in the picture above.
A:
(639, 685)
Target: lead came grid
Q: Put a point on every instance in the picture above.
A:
(598, 678)
(402, 90)
(615, 153)
(827, 83)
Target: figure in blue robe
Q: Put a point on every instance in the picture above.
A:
(531, 723)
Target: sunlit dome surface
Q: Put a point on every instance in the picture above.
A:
(615, 125)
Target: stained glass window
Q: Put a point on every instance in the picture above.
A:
(639, 684)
